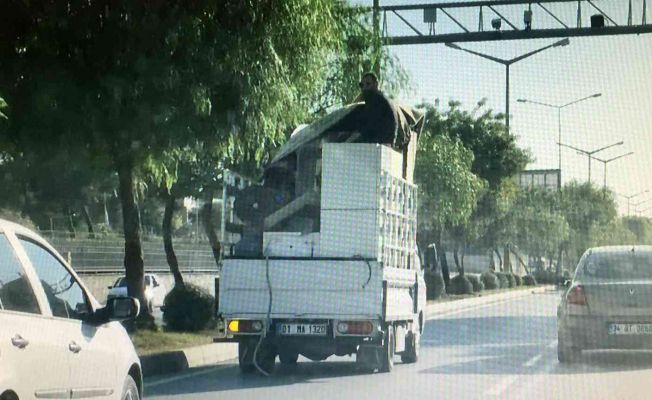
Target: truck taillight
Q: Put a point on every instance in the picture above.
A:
(355, 327)
(245, 326)
(577, 296)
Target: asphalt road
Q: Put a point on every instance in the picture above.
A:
(502, 350)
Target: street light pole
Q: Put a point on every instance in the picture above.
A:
(559, 108)
(632, 196)
(605, 162)
(507, 63)
(591, 153)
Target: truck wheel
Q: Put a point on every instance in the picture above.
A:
(288, 358)
(412, 344)
(387, 361)
(266, 358)
(246, 356)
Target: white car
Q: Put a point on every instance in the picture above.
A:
(154, 290)
(56, 340)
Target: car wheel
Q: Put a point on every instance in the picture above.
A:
(567, 353)
(130, 390)
(412, 344)
(387, 362)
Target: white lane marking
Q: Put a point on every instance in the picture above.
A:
(552, 344)
(532, 361)
(175, 378)
(434, 315)
(501, 386)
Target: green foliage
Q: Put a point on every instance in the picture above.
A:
(460, 284)
(15, 217)
(545, 276)
(434, 284)
(533, 224)
(614, 233)
(188, 308)
(518, 279)
(503, 281)
(586, 208)
(511, 281)
(529, 280)
(497, 157)
(475, 280)
(448, 188)
(490, 280)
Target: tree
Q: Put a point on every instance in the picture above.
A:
(131, 80)
(585, 207)
(448, 188)
(496, 158)
(535, 225)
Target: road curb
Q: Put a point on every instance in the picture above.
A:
(176, 361)
(180, 360)
(434, 309)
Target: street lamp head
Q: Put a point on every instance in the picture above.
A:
(496, 23)
(563, 42)
(522, 100)
(452, 46)
(597, 95)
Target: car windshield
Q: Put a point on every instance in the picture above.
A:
(628, 265)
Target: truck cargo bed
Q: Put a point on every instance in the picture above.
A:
(314, 288)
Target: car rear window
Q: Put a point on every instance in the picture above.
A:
(618, 266)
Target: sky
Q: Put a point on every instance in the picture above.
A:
(619, 67)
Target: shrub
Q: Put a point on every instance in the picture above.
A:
(188, 308)
(434, 284)
(529, 280)
(460, 285)
(546, 276)
(490, 280)
(510, 279)
(502, 279)
(519, 280)
(478, 286)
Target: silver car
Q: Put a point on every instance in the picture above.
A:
(608, 304)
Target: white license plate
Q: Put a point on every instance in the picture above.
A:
(630, 329)
(301, 329)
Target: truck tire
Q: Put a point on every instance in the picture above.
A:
(389, 347)
(246, 356)
(412, 344)
(266, 357)
(288, 358)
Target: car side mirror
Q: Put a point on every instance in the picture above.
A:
(122, 308)
(116, 309)
(109, 287)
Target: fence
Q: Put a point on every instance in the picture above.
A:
(106, 254)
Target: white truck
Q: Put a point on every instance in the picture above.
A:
(328, 263)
